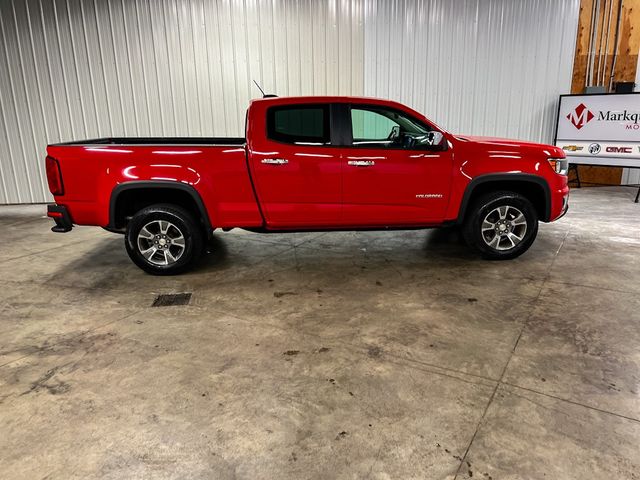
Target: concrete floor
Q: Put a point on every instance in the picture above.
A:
(325, 355)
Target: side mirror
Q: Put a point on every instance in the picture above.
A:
(434, 138)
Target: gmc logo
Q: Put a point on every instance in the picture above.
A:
(619, 150)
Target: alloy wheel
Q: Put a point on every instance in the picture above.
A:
(161, 243)
(504, 227)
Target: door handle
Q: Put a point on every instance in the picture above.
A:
(275, 161)
(361, 163)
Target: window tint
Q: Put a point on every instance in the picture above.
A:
(301, 124)
(381, 127)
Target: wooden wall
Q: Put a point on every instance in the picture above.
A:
(625, 66)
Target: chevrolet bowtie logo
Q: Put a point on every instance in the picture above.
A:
(572, 148)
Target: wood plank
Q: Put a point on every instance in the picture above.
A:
(625, 66)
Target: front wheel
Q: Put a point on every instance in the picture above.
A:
(164, 239)
(501, 225)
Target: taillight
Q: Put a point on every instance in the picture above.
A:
(54, 177)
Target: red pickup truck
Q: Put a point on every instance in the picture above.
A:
(307, 163)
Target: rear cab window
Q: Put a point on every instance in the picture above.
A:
(299, 124)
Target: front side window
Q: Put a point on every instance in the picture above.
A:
(380, 127)
(299, 124)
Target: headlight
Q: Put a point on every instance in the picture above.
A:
(559, 165)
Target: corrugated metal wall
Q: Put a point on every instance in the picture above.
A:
(73, 69)
(483, 67)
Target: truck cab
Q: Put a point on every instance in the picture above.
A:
(347, 162)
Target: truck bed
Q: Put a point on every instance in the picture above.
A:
(215, 166)
(159, 141)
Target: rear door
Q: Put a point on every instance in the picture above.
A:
(295, 166)
(392, 176)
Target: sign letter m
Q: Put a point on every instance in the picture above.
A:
(580, 116)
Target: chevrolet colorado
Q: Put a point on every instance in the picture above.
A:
(307, 163)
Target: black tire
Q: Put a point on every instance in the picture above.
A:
(487, 204)
(184, 239)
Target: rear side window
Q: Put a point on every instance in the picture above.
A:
(299, 124)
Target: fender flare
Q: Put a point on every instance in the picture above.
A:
(502, 177)
(151, 184)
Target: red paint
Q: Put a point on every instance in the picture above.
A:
(305, 192)
(316, 189)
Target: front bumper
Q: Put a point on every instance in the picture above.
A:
(60, 215)
(565, 206)
(559, 198)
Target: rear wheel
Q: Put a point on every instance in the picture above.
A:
(164, 239)
(501, 225)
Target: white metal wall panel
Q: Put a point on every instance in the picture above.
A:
(74, 69)
(483, 67)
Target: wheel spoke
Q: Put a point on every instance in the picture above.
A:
(515, 237)
(494, 241)
(149, 252)
(502, 212)
(178, 242)
(486, 225)
(508, 237)
(164, 226)
(169, 256)
(144, 233)
(519, 220)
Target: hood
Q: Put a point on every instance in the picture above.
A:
(509, 144)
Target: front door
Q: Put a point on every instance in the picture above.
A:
(392, 174)
(295, 167)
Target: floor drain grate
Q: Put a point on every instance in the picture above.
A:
(172, 299)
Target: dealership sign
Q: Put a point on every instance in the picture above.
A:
(600, 129)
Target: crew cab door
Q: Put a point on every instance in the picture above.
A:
(392, 175)
(295, 167)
